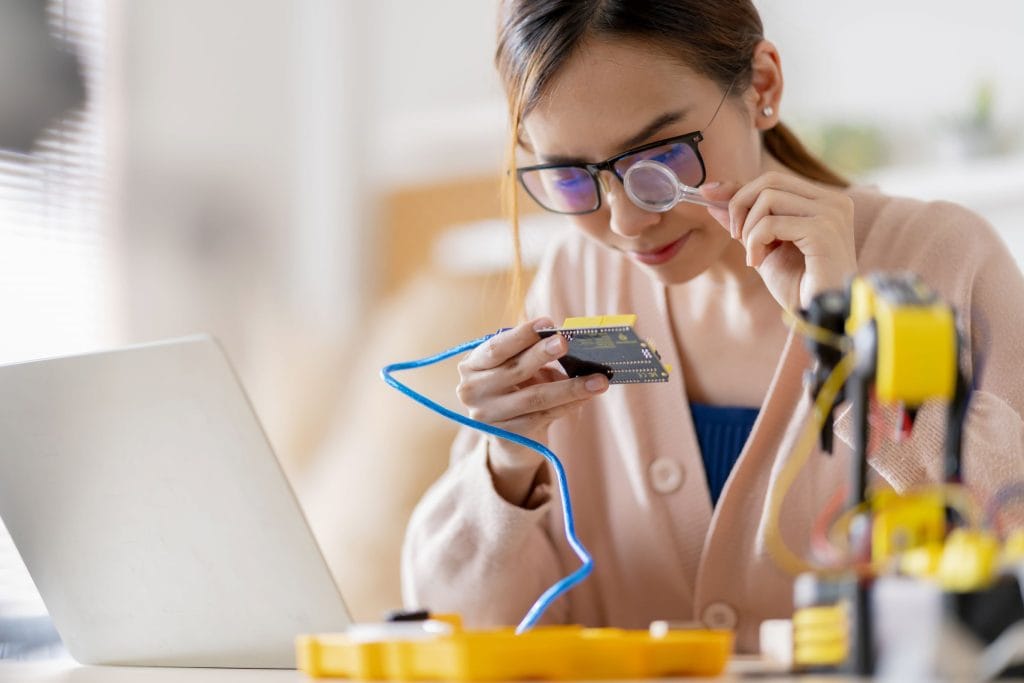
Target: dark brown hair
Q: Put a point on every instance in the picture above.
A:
(716, 38)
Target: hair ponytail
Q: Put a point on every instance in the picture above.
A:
(787, 148)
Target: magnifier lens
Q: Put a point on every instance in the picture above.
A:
(651, 186)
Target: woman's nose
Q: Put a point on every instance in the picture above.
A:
(627, 219)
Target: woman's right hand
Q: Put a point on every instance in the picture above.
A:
(511, 381)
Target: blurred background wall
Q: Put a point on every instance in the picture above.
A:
(285, 165)
(315, 183)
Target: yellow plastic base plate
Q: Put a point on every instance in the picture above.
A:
(552, 653)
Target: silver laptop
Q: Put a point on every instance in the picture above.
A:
(152, 513)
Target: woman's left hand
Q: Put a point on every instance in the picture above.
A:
(798, 235)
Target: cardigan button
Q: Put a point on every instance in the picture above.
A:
(666, 475)
(719, 615)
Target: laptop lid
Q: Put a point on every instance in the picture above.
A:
(152, 513)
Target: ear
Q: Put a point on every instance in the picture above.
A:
(765, 93)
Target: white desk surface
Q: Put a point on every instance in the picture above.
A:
(70, 672)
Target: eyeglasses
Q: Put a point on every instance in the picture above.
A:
(575, 189)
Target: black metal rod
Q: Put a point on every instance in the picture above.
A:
(955, 417)
(862, 650)
(858, 394)
(861, 657)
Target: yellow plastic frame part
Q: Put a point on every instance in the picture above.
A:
(546, 652)
(902, 522)
(917, 344)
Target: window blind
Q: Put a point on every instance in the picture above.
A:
(55, 243)
(55, 246)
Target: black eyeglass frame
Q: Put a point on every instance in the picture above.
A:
(593, 170)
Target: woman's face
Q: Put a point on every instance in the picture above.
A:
(615, 95)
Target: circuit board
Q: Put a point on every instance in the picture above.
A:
(609, 345)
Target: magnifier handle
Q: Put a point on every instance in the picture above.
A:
(693, 196)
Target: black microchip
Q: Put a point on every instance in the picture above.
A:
(615, 352)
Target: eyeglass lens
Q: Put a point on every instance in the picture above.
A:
(565, 189)
(679, 156)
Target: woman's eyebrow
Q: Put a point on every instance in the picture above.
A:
(651, 129)
(648, 131)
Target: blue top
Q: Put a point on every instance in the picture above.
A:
(721, 432)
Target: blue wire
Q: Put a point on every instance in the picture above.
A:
(565, 583)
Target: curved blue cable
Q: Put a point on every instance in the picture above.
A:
(566, 582)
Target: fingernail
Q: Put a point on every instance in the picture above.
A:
(711, 186)
(596, 384)
(554, 345)
(543, 324)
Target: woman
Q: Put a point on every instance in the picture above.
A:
(669, 481)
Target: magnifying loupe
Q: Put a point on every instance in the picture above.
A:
(653, 186)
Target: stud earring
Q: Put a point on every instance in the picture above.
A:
(768, 111)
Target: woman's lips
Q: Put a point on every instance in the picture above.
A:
(662, 254)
